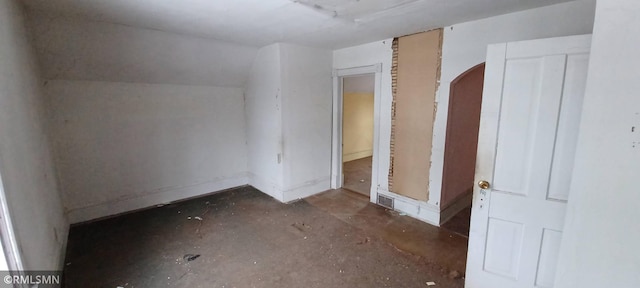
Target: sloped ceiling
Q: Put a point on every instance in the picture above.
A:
(319, 23)
(73, 49)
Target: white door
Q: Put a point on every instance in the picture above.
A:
(531, 106)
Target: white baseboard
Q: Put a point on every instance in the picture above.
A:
(166, 196)
(455, 207)
(266, 187)
(422, 211)
(307, 189)
(357, 155)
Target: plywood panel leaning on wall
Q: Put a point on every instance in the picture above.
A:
(417, 80)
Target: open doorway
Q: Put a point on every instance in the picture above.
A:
(463, 122)
(360, 81)
(357, 132)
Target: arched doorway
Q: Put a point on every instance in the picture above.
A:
(465, 101)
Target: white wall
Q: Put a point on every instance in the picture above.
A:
(263, 114)
(288, 112)
(306, 120)
(601, 236)
(125, 146)
(28, 176)
(140, 117)
(74, 49)
(465, 45)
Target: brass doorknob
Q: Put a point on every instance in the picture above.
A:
(484, 184)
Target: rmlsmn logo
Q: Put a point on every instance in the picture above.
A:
(32, 279)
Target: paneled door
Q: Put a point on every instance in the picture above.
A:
(531, 106)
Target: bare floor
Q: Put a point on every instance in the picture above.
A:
(460, 223)
(243, 238)
(357, 175)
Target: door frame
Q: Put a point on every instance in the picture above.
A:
(336, 134)
(10, 248)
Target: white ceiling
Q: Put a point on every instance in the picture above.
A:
(319, 23)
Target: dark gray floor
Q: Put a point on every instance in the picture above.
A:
(460, 223)
(246, 239)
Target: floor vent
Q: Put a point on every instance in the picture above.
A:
(385, 201)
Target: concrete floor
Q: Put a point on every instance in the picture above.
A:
(357, 175)
(247, 239)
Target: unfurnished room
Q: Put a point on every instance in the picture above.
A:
(319, 143)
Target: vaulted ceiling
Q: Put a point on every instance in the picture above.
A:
(319, 23)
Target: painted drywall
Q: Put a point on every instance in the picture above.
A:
(465, 45)
(357, 119)
(28, 175)
(125, 146)
(76, 49)
(418, 72)
(263, 115)
(306, 120)
(357, 125)
(600, 243)
(288, 115)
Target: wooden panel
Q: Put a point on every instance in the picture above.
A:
(518, 125)
(418, 72)
(547, 264)
(568, 126)
(504, 242)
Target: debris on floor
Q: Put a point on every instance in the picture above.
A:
(431, 283)
(454, 274)
(347, 233)
(190, 257)
(198, 218)
(366, 240)
(301, 226)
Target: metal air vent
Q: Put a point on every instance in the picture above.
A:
(385, 201)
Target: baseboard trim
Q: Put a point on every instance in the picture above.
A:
(422, 211)
(307, 189)
(83, 214)
(357, 155)
(455, 207)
